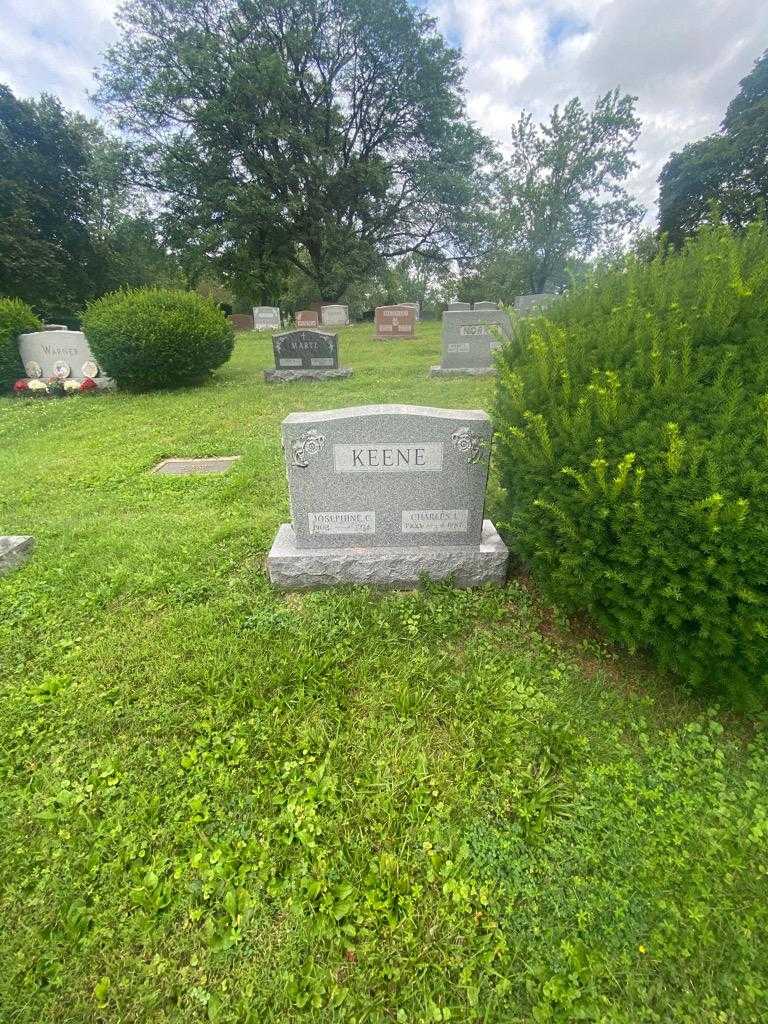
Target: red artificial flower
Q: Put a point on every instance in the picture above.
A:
(21, 385)
(88, 384)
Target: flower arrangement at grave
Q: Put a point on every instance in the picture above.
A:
(54, 387)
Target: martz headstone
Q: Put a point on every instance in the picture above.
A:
(470, 340)
(307, 318)
(395, 322)
(384, 495)
(59, 353)
(334, 316)
(306, 355)
(266, 318)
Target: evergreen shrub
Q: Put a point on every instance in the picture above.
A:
(154, 338)
(633, 449)
(16, 318)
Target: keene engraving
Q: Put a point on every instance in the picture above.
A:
(388, 458)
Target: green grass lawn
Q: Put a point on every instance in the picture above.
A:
(220, 803)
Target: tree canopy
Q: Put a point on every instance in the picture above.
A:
(563, 194)
(318, 134)
(727, 170)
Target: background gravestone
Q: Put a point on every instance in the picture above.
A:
(384, 494)
(307, 318)
(469, 341)
(334, 316)
(485, 305)
(395, 322)
(458, 307)
(266, 318)
(306, 354)
(61, 353)
(527, 305)
(241, 321)
(416, 306)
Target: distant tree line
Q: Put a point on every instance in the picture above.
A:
(286, 151)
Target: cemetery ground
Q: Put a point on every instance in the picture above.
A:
(223, 803)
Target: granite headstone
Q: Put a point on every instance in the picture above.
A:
(385, 494)
(459, 307)
(485, 306)
(395, 321)
(303, 354)
(307, 318)
(266, 318)
(470, 340)
(60, 353)
(528, 305)
(334, 316)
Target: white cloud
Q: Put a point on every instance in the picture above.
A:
(682, 58)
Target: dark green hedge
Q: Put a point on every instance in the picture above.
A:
(16, 318)
(152, 338)
(634, 453)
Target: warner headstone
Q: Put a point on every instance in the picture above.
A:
(529, 305)
(14, 551)
(384, 495)
(458, 307)
(306, 355)
(334, 316)
(59, 353)
(470, 340)
(485, 305)
(395, 321)
(266, 318)
(307, 318)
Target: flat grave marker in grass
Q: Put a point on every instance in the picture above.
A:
(384, 495)
(192, 467)
(395, 322)
(470, 338)
(306, 355)
(13, 551)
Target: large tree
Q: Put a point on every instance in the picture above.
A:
(563, 193)
(324, 134)
(46, 256)
(727, 170)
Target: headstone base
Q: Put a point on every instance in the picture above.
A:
(14, 551)
(281, 376)
(291, 568)
(461, 371)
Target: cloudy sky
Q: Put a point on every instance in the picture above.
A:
(682, 58)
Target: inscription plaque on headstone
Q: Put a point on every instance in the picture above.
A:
(528, 305)
(266, 318)
(305, 354)
(383, 494)
(395, 322)
(334, 316)
(56, 354)
(307, 318)
(470, 340)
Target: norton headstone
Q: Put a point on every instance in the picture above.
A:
(470, 340)
(266, 318)
(395, 322)
(384, 495)
(307, 318)
(305, 355)
(334, 316)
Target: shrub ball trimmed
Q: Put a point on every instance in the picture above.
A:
(16, 318)
(153, 338)
(633, 448)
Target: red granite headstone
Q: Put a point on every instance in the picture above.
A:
(307, 318)
(395, 322)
